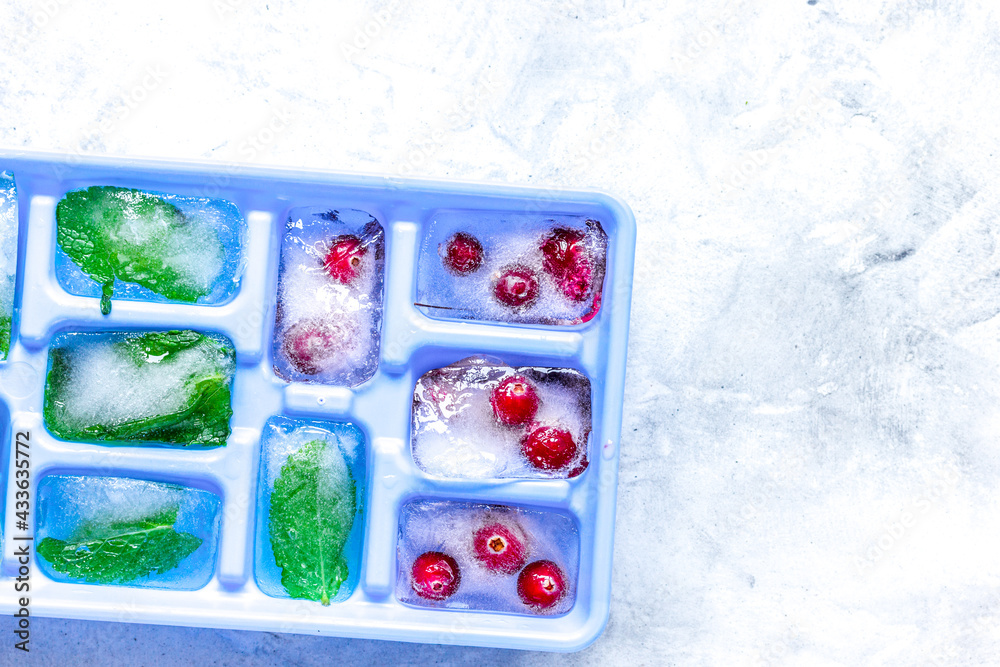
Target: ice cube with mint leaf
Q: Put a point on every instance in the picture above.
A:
(122, 531)
(164, 388)
(147, 245)
(308, 541)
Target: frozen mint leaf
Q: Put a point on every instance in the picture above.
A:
(159, 343)
(5, 327)
(120, 552)
(137, 237)
(185, 374)
(312, 511)
(204, 421)
(164, 346)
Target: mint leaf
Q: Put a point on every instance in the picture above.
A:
(5, 328)
(311, 516)
(120, 552)
(203, 419)
(137, 237)
(161, 343)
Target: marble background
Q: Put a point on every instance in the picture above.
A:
(810, 458)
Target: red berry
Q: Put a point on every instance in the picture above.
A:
(516, 287)
(310, 343)
(435, 575)
(565, 258)
(514, 401)
(498, 549)
(548, 447)
(562, 251)
(343, 259)
(463, 254)
(575, 285)
(541, 584)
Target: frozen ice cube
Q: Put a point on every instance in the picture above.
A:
(463, 425)
(168, 388)
(148, 246)
(488, 570)
(116, 530)
(329, 458)
(8, 257)
(508, 267)
(329, 312)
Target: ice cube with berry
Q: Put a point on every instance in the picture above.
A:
(491, 557)
(329, 312)
(481, 418)
(512, 268)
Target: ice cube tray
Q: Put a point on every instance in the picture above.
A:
(411, 344)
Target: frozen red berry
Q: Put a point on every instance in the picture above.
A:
(463, 254)
(576, 284)
(548, 447)
(435, 575)
(541, 584)
(310, 345)
(498, 548)
(516, 287)
(343, 259)
(514, 401)
(566, 259)
(563, 250)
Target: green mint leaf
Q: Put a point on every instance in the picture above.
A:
(311, 517)
(119, 553)
(130, 235)
(160, 345)
(5, 328)
(202, 420)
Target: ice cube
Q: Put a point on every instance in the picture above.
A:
(507, 267)
(459, 427)
(168, 388)
(8, 257)
(122, 531)
(148, 246)
(329, 312)
(489, 569)
(328, 458)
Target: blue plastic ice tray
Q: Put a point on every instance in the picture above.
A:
(411, 343)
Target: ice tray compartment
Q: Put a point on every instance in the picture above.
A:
(345, 461)
(561, 259)
(202, 240)
(329, 309)
(481, 418)
(126, 532)
(410, 344)
(456, 529)
(169, 388)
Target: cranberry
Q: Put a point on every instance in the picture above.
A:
(435, 575)
(310, 343)
(343, 259)
(548, 447)
(562, 251)
(516, 287)
(576, 284)
(463, 254)
(514, 401)
(541, 584)
(498, 548)
(566, 259)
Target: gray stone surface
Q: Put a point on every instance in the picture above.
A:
(809, 458)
